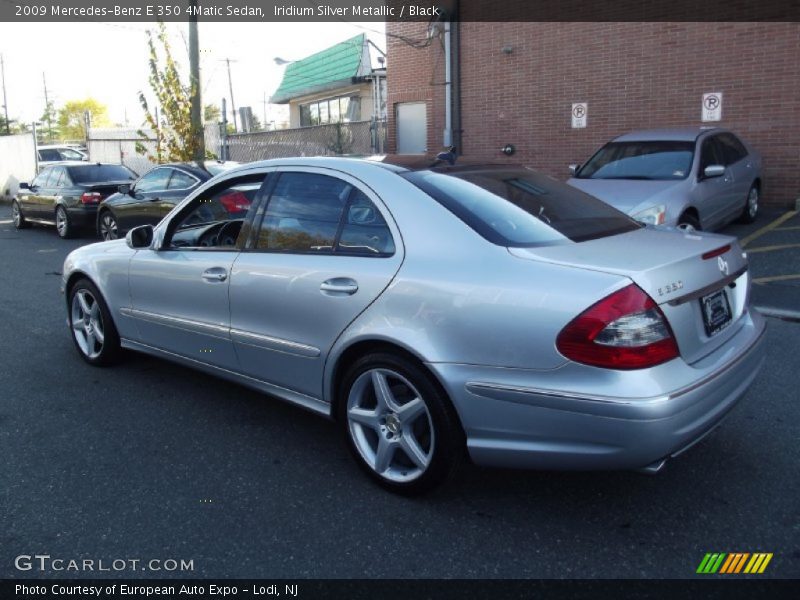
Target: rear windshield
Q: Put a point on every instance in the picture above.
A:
(100, 173)
(215, 168)
(521, 208)
(640, 160)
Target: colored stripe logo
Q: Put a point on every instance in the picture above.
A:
(734, 562)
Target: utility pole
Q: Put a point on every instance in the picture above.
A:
(230, 86)
(47, 111)
(264, 103)
(5, 102)
(198, 139)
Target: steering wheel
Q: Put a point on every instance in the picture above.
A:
(228, 233)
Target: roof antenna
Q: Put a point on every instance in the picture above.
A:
(449, 157)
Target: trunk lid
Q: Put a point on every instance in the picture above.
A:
(104, 188)
(670, 267)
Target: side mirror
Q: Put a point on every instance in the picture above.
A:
(573, 169)
(24, 185)
(125, 188)
(714, 171)
(140, 237)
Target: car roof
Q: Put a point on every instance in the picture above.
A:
(198, 169)
(56, 146)
(389, 162)
(672, 134)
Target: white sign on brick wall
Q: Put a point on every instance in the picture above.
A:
(712, 107)
(580, 111)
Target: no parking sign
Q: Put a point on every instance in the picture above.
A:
(712, 107)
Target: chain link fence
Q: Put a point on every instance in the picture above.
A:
(358, 138)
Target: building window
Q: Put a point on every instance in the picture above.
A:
(343, 109)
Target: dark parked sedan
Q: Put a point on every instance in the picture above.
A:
(150, 198)
(67, 195)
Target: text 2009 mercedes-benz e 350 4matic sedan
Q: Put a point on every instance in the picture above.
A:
(435, 312)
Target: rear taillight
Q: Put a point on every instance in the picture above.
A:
(91, 197)
(625, 330)
(235, 202)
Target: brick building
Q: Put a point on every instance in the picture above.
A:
(515, 83)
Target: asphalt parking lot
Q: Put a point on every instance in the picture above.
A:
(148, 460)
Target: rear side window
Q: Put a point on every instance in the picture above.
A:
(181, 180)
(520, 208)
(364, 230)
(732, 149)
(100, 173)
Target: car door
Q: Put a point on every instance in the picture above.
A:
(325, 248)
(29, 200)
(714, 193)
(141, 208)
(736, 160)
(179, 292)
(49, 194)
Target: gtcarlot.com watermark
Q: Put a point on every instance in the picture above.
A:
(45, 563)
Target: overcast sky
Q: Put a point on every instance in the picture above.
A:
(108, 61)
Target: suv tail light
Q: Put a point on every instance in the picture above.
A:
(91, 197)
(625, 330)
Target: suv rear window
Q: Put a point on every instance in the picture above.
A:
(100, 173)
(520, 208)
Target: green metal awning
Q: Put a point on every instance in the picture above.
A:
(326, 70)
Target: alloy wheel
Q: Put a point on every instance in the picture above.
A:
(752, 203)
(390, 425)
(108, 227)
(87, 323)
(61, 222)
(15, 214)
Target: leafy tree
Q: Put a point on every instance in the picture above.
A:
(212, 113)
(71, 119)
(49, 121)
(15, 126)
(170, 119)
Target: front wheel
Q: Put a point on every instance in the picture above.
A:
(18, 217)
(400, 427)
(688, 222)
(750, 212)
(93, 331)
(107, 229)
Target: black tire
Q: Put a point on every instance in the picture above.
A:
(436, 433)
(109, 349)
(16, 215)
(107, 228)
(64, 226)
(751, 205)
(689, 222)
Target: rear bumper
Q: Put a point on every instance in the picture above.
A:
(83, 216)
(580, 417)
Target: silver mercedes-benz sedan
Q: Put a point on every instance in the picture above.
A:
(692, 178)
(435, 312)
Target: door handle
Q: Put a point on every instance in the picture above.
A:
(215, 274)
(339, 286)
